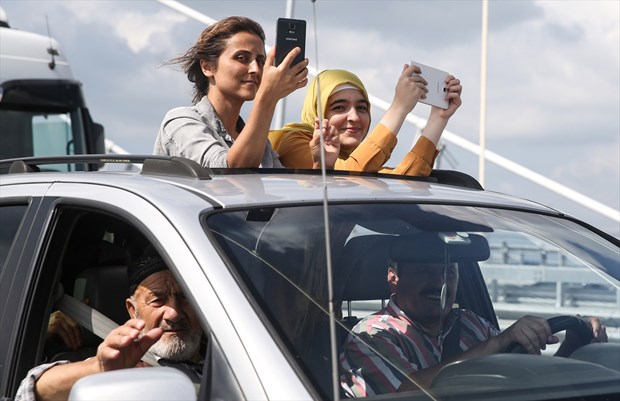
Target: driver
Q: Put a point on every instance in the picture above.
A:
(162, 322)
(404, 345)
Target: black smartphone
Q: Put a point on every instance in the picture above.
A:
(290, 33)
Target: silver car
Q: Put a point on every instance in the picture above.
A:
(279, 265)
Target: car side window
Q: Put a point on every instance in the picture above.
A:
(79, 240)
(85, 259)
(11, 217)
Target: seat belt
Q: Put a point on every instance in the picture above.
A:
(94, 321)
(451, 344)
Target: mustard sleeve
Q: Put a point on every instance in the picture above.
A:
(294, 150)
(418, 161)
(371, 153)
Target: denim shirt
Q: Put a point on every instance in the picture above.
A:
(197, 133)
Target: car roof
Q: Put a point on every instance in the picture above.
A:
(236, 188)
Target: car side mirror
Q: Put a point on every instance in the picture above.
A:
(161, 383)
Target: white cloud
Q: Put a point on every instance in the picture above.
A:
(544, 74)
(139, 30)
(602, 161)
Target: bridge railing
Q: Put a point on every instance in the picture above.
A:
(516, 273)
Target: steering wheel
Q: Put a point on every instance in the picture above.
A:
(561, 323)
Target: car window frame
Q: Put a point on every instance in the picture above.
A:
(18, 275)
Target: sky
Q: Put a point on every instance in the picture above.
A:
(552, 83)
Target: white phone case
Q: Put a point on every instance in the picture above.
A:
(436, 79)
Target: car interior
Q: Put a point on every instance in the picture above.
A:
(278, 263)
(94, 271)
(284, 270)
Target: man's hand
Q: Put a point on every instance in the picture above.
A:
(124, 346)
(573, 340)
(531, 332)
(599, 331)
(66, 328)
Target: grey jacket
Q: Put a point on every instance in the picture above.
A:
(197, 133)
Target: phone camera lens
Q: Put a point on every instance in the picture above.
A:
(291, 25)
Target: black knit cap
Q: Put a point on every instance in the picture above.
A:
(148, 263)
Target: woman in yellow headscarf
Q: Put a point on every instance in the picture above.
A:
(346, 113)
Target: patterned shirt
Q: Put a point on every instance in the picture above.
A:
(402, 348)
(26, 388)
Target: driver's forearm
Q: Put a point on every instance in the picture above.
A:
(56, 383)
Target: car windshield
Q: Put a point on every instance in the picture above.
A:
(511, 264)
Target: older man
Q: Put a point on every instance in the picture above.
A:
(162, 321)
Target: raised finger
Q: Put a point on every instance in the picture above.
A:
(329, 136)
(301, 68)
(125, 334)
(334, 133)
(316, 123)
(412, 69)
(422, 86)
(455, 88)
(271, 57)
(286, 62)
(149, 338)
(106, 353)
(449, 78)
(418, 79)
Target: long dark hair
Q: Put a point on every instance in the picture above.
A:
(209, 46)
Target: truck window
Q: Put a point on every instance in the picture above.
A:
(51, 135)
(31, 133)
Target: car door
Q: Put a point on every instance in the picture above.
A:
(50, 242)
(20, 233)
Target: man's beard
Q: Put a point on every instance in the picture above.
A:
(178, 347)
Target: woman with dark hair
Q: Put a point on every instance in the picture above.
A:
(228, 67)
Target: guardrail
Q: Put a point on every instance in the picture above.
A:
(527, 272)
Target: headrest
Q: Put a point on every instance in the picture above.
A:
(362, 268)
(362, 271)
(439, 247)
(105, 289)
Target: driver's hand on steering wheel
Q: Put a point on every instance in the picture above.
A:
(599, 331)
(532, 333)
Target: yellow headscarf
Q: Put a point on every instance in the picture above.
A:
(328, 80)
